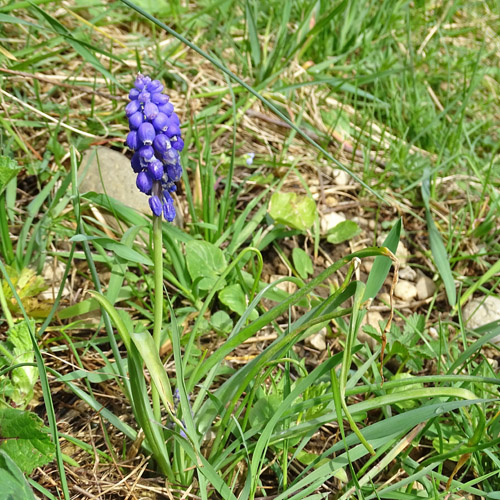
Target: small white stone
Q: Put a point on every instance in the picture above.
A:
(408, 273)
(330, 220)
(366, 265)
(481, 311)
(405, 290)
(433, 333)
(385, 297)
(402, 254)
(341, 178)
(425, 287)
(317, 340)
(373, 318)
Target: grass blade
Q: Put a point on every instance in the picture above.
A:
(437, 246)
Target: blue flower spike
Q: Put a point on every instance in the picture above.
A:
(155, 138)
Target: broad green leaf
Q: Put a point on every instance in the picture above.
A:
(221, 322)
(343, 231)
(205, 263)
(24, 438)
(233, 297)
(8, 170)
(291, 209)
(23, 378)
(14, 484)
(302, 262)
(381, 266)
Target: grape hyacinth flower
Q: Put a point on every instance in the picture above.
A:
(155, 138)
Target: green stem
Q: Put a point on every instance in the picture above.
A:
(158, 302)
(6, 243)
(5, 307)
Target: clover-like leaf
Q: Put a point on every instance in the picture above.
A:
(24, 438)
(343, 231)
(205, 263)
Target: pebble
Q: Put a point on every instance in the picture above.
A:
(408, 273)
(331, 201)
(433, 333)
(425, 287)
(366, 265)
(481, 311)
(402, 254)
(330, 220)
(317, 340)
(360, 221)
(405, 290)
(385, 297)
(341, 178)
(117, 176)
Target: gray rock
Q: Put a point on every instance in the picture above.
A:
(408, 273)
(481, 311)
(425, 287)
(117, 176)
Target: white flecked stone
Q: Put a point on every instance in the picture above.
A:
(405, 290)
